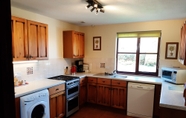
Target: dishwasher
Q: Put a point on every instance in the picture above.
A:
(140, 100)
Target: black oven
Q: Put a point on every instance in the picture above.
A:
(72, 105)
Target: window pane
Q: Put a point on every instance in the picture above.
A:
(147, 62)
(149, 45)
(127, 44)
(126, 62)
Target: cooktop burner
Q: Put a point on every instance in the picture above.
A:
(64, 77)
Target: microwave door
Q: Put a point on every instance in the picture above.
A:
(167, 74)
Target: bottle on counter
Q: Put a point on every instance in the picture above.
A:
(73, 70)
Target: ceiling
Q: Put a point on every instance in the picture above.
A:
(116, 11)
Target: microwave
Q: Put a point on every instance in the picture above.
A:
(173, 75)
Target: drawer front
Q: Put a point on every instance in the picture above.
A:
(104, 81)
(92, 80)
(56, 89)
(119, 83)
(83, 80)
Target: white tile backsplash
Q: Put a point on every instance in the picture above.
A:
(41, 69)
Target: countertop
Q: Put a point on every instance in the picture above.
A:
(171, 94)
(35, 86)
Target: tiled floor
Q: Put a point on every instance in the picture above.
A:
(97, 111)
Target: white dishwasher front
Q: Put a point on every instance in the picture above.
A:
(140, 100)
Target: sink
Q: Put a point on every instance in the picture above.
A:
(119, 76)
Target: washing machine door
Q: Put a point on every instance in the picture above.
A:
(38, 110)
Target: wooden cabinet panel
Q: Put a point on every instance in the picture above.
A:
(17, 107)
(37, 37)
(73, 44)
(156, 112)
(171, 113)
(92, 80)
(82, 94)
(57, 101)
(92, 92)
(103, 94)
(119, 83)
(118, 97)
(104, 81)
(83, 81)
(19, 39)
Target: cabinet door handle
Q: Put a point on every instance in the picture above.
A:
(118, 82)
(103, 81)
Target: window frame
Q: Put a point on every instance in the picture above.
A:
(137, 72)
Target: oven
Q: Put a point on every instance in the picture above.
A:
(71, 92)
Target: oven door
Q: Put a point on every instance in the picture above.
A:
(72, 90)
(72, 105)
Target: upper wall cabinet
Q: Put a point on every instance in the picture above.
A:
(182, 52)
(73, 44)
(29, 39)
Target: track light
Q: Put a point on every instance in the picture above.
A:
(95, 5)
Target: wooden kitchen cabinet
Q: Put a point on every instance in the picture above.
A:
(103, 91)
(73, 44)
(19, 38)
(17, 107)
(119, 94)
(171, 113)
(83, 91)
(37, 40)
(92, 90)
(29, 39)
(57, 101)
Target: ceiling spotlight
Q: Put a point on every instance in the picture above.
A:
(92, 9)
(101, 10)
(88, 6)
(95, 5)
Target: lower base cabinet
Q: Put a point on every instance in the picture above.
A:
(103, 94)
(82, 91)
(118, 97)
(91, 93)
(57, 101)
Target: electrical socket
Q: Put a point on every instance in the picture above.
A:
(29, 70)
(102, 65)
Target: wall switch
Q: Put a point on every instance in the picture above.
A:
(29, 70)
(102, 65)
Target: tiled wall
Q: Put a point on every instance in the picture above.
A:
(41, 69)
(100, 65)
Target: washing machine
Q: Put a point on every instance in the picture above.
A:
(35, 105)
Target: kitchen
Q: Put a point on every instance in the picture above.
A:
(52, 66)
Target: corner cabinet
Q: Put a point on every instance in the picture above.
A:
(73, 44)
(29, 39)
(57, 101)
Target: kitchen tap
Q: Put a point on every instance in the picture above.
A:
(114, 72)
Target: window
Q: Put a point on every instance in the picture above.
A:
(138, 52)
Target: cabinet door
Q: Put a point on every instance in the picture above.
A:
(19, 39)
(157, 100)
(57, 105)
(33, 39)
(118, 97)
(91, 93)
(37, 40)
(75, 43)
(103, 94)
(81, 45)
(43, 41)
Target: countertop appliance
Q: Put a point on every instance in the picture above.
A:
(173, 75)
(35, 105)
(140, 100)
(79, 65)
(71, 92)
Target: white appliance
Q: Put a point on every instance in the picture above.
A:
(140, 100)
(35, 105)
(173, 75)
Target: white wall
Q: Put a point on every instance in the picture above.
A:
(170, 33)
